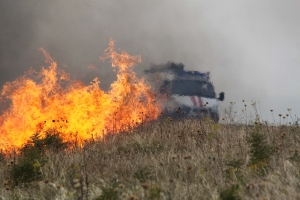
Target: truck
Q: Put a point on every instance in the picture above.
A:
(184, 93)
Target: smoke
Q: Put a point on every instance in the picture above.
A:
(251, 48)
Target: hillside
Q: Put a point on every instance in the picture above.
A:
(186, 159)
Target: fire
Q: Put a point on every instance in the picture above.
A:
(50, 100)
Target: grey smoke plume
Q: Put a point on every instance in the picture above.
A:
(251, 48)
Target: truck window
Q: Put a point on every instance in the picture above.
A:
(191, 88)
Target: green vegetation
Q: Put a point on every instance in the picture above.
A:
(32, 157)
(143, 174)
(172, 159)
(109, 193)
(260, 151)
(230, 193)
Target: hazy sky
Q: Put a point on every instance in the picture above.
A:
(251, 48)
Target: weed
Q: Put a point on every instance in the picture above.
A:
(260, 151)
(143, 174)
(109, 193)
(154, 192)
(295, 157)
(32, 157)
(230, 193)
(26, 171)
(234, 170)
(53, 141)
(138, 148)
(236, 163)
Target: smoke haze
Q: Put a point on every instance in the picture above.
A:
(251, 48)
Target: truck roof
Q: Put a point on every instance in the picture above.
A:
(179, 72)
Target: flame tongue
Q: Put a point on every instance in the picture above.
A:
(51, 100)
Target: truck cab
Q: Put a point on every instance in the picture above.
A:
(184, 93)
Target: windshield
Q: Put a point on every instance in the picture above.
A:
(189, 88)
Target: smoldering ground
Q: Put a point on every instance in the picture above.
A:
(251, 48)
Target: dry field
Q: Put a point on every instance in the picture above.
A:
(184, 159)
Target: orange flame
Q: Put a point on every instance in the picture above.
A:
(49, 99)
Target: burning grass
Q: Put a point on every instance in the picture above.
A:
(186, 159)
(49, 99)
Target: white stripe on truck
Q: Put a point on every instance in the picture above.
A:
(196, 101)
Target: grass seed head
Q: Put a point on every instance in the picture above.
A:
(6, 183)
(132, 197)
(146, 185)
(75, 180)
(187, 157)
(77, 185)
(46, 181)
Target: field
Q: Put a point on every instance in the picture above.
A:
(170, 159)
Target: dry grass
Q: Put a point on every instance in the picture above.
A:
(187, 159)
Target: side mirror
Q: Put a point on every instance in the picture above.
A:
(221, 96)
